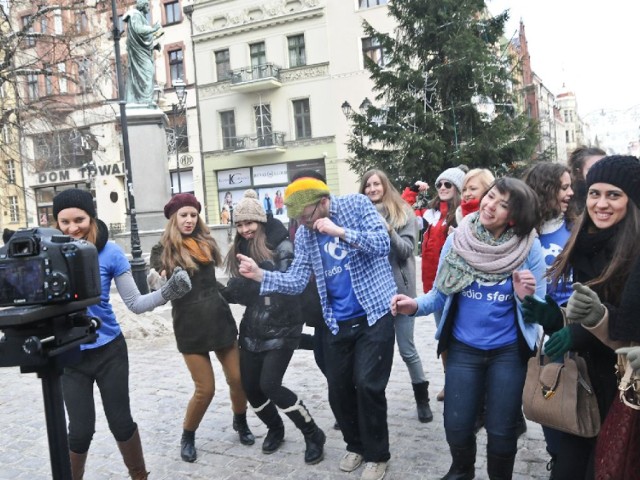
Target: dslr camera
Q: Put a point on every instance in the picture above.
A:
(41, 266)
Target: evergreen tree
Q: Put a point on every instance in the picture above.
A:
(444, 94)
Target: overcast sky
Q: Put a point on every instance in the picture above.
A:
(590, 46)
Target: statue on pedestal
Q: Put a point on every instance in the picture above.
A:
(141, 43)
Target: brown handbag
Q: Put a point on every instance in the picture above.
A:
(559, 395)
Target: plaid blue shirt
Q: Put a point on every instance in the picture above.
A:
(367, 244)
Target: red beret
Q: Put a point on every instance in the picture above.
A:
(180, 200)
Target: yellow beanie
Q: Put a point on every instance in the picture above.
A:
(303, 192)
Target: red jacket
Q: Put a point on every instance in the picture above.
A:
(432, 243)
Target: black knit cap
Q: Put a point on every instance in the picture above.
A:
(74, 198)
(623, 171)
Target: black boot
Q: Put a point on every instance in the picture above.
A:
(463, 461)
(314, 437)
(421, 392)
(268, 413)
(240, 426)
(188, 446)
(500, 467)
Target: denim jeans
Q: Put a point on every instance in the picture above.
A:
(358, 364)
(473, 373)
(404, 337)
(108, 367)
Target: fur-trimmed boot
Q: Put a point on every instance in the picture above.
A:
(131, 451)
(269, 415)
(421, 393)
(314, 437)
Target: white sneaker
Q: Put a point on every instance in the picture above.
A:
(374, 471)
(350, 461)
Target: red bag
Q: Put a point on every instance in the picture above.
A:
(617, 455)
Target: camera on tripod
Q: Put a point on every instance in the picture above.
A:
(41, 266)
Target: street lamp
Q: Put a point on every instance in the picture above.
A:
(178, 109)
(138, 265)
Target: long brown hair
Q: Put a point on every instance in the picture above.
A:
(545, 179)
(398, 210)
(175, 255)
(626, 250)
(257, 249)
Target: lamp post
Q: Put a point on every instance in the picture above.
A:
(178, 109)
(138, 265)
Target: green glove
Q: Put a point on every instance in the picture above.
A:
(584, 306)
(558, 344)
(547, 313)
(177, 286)
(633, 355)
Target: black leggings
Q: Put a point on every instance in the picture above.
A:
(262, 374)
(108, 367)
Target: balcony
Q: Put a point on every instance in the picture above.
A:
(256, 78)
(260, 144)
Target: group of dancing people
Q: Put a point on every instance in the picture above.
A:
(501, 259)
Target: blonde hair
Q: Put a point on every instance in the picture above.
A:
(484, 175)
(398, 211)
(175, 255)
(257, 249)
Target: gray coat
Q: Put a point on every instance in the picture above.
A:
(402, 258)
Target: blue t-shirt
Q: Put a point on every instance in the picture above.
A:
(552, 244)
(486, 315)
(337, 277)
(113, 263)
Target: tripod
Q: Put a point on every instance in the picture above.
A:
(43, 340)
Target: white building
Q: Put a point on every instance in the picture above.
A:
(271, 78)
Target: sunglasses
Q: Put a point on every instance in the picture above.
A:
(439, 185)
(307, 218)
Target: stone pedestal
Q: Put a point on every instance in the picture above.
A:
(149, 166)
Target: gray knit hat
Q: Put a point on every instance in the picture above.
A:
(249, 209)
(454, 175)
(623, 171)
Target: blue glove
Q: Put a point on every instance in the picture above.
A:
(547, 313)
(558, 344)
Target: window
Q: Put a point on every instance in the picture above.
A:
(57, 21)
(176, 65)
(228, 125)
(81, 21)
(32, 86)
(27, 29)
(223, 65)
(11, 171)
(372, 3)
(181, 135)
(186, 182)
(302, 118)
(566, 135)
(84, 75)
(172, 12)
(44, 24)
(371, 48)
(6, 134)
(264, 129)
(62, 81)
(64, 149)
(258, 54)
(48, 85)
(14, 212)
(297, 55)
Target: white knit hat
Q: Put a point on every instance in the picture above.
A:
(249, 209)
(454, 175)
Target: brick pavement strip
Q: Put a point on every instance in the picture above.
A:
(161, 387)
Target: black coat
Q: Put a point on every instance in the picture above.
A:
(273, 321)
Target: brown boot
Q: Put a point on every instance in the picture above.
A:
(131, 451)
(77, 464)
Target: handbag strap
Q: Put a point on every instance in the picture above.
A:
(629, 393)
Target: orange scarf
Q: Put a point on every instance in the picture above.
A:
(198, 250)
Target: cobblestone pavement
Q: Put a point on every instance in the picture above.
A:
(161, 387)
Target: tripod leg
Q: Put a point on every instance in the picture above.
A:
(56, 423)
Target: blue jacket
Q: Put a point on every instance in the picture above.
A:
(436, 300)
